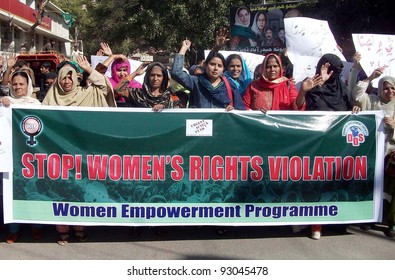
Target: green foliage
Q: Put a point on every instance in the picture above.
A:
(130, 24)
(127, 25)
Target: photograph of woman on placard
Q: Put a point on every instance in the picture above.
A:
(258, 26)
(241, 33)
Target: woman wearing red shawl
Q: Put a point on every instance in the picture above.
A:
(272, 91)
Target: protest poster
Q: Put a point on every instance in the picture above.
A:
(193, 167)
(308, 40)
(259, 28)
(377, 51)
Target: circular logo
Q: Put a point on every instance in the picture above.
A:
(31, 126)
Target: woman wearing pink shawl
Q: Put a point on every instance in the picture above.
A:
(120, 69)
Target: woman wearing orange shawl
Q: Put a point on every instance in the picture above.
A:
(272, 91)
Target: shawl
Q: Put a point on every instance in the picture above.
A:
(117, 64)
(384, 79)
(98, 94)
(334, 94)
(27, 99)
(243, 81)
(144, 97)
(281, 91)
(220, 96)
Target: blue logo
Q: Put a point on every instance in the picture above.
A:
(355, 132)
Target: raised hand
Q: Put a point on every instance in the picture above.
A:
(376, 73)
(222, 36)
(324, 72)
(11, 61)
(357, 61)
(141, 69)
(310, 83)
(105, 48)
(83, 63)
(186, 44)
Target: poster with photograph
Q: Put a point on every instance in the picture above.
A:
(259, 28)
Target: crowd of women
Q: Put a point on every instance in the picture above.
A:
(220, 83)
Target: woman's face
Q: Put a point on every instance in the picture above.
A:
(272, 70)
(244, 17)
(261, 22)
(235, 68)
(388, 92)
(156, 77)
(19, 86)
(122, 72)
(214, 68)
(67, 83)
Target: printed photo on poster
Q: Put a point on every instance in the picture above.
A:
(259, 28)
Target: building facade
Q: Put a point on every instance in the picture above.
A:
(17, 16)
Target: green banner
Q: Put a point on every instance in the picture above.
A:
(125, 167)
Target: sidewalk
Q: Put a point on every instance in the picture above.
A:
(204, 243)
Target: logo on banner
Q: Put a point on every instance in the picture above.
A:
(199, 128)
(31, 126)
(355, 132)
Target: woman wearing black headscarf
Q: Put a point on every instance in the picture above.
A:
(329, 94)
(155, 93)
(332, 94)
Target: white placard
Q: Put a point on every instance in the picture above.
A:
(309, 37)
(377, 51)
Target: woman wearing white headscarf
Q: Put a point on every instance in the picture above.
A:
(21, 90)
(241, 33)
(67, 92)
(385, 101)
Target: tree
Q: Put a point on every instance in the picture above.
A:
(129, 25)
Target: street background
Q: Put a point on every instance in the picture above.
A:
(204, 243)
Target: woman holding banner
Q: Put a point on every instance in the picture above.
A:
(21, 90)
(237, 73)
(273, 91)
(211, 89)
(329, 94)
(385, 101)
(66, 92)
(155, 93)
